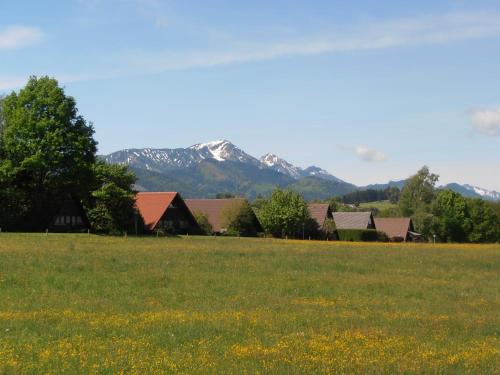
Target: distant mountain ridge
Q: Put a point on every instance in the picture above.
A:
(205, 169)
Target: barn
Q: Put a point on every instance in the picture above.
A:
(214, 209)
(398, 229)
(165, 211)
(320, 212)
(354, 220)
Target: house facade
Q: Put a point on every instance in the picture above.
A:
(70, 217)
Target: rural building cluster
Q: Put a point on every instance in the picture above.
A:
(169, 213)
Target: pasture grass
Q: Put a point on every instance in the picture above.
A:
(380, 205)
(89, 304)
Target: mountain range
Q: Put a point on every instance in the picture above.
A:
(206, 169)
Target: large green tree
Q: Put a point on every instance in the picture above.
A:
(112, 202)
(50, 148)
(485, 223)
(48, 155)
(418, 192)
(451, 216)
(285, 213)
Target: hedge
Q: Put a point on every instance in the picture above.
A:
(360, 235)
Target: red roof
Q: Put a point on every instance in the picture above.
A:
(152, 206)
(214, 209)
(394, 227)
(319, 212)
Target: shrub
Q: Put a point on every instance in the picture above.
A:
(239, 220)
(203, 222)
(285, 214)
(358, 235)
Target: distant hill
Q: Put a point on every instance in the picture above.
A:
(205, 169)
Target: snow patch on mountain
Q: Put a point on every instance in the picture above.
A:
(274, 162)
(223, 150)
(488, 194)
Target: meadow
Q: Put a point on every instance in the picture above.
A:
(380, 205)
(89, 304)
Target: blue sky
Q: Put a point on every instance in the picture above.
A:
(369, 90)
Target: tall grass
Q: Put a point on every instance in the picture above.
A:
(87, 304)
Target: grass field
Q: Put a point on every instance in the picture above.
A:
(381, 205)
(87, 304)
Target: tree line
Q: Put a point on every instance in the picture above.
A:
(442, 213)
(48, 155)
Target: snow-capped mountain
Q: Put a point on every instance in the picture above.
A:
(159, 160)
(223, 150)
(281, 165)
(474, 192)
(222, 166)
(320, 173)
(488, 194)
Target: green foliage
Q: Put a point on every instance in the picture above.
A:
(314, 187)
(239, 220)
(372, 195)
(393, 194)
(48, 155)
(358, 235)
(50, 148)
(389, 212)
(13, 205)
(2, 126)
(418, 192)
(285, 214)
(203, 222)
(485, 223)
(113, 199)
(329, 229)
(451, 219)
(459, 219)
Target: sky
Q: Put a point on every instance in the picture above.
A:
(369, 90)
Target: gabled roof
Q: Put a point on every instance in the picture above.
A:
(214, 209)
(353, 220)
(394, 226)
(152, 206)
(319, 212)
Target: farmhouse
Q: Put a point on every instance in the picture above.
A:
(165, 211)
(320, 212)
(353, 220)
(398, 229)
(70, 217)
(215, 210)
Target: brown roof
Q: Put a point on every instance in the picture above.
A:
(394, 226)
(214, 209)
(152, 206)
(353, 220)
(319, 212)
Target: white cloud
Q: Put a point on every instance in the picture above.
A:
(365, 153)
(487, 121)
(368, 154)
(19, 36)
